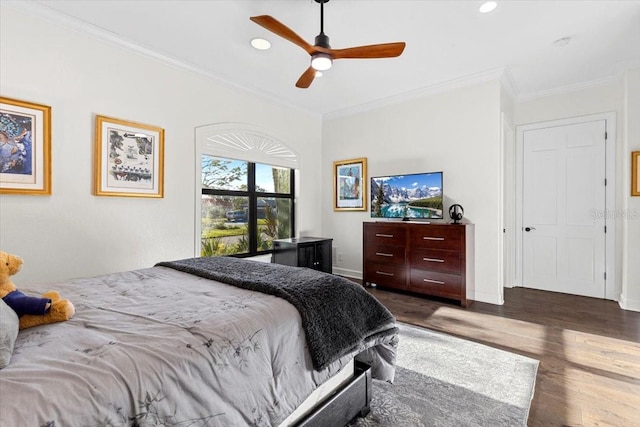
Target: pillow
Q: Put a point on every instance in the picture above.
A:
(8, 332)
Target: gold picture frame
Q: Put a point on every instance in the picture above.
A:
(25, 147)
(350, 185)
(635, 173)
(129, 159)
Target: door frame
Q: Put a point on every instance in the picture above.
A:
(508, 208)
(611, 288)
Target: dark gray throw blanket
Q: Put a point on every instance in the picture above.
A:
(338, 315)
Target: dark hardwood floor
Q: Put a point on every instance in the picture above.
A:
(589, 349)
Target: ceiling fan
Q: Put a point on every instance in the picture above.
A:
(322, 55)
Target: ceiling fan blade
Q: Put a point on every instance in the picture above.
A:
(306, 78)
(384, 50)
(278, 28)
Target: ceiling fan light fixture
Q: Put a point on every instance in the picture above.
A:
(260, 43)
(321, 61)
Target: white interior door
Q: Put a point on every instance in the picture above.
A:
(563, 220)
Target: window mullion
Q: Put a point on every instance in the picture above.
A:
(253, 209)
(292, 193)
(215, 192)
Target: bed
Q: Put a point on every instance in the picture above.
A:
(201, 342)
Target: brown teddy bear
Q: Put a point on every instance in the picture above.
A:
(33, 311)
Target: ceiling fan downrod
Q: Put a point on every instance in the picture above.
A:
(322, 40)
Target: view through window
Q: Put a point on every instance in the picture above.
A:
(245, 206)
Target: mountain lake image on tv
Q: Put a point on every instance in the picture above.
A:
(413, 196)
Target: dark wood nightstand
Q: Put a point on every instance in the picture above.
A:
(311, 252)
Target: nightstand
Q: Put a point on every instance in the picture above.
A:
(310, 252)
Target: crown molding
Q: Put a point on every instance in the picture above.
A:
(569, 88)
(445, 86)
(501, 74)
(509, 84)
(618, 74)
(43, 11)
(104, 35)
(622, 67)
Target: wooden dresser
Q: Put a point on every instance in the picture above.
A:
(430, 259)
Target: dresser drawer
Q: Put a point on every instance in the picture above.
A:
(385, 254)
(385, 275)
(435, 283)
(448, 237)
(436, 260)
(384, 235)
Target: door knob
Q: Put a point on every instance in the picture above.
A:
(527, 229)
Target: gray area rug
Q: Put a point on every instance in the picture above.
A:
(446, 381)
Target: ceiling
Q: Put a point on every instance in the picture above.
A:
(538, 47)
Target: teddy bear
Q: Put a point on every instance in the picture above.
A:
(32, 311)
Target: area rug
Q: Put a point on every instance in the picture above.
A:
(446, 381)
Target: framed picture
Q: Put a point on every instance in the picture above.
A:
(635, 173)
(25, 147)
(129, 159)
(350, 185)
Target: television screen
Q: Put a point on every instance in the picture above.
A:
(413, 196)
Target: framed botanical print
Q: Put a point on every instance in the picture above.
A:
(25, 147)
(129, 159)
(350, 185)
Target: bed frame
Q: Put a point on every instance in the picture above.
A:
(347, 403)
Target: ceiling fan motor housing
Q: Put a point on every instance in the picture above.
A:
(322, 40)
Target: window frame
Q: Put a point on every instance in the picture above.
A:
(252, 196)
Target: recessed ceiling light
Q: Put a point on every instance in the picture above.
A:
(260, 44)
(488, 6)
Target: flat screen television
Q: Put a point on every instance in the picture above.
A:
(412, 196)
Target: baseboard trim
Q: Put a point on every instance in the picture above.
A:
(629, 304)
(488, 297)
(347, 273)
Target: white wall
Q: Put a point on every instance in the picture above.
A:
(421, 135)
(457, 132)
(73, 233)
(630, 214)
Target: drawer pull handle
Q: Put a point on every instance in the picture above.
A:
(384, 235)
(437, 282)
(384, 273)
(432, 259)
(383, 254)
(432, 238)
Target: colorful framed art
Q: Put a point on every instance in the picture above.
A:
(25, 147)
(350, 185)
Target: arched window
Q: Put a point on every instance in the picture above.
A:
(246, 187)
